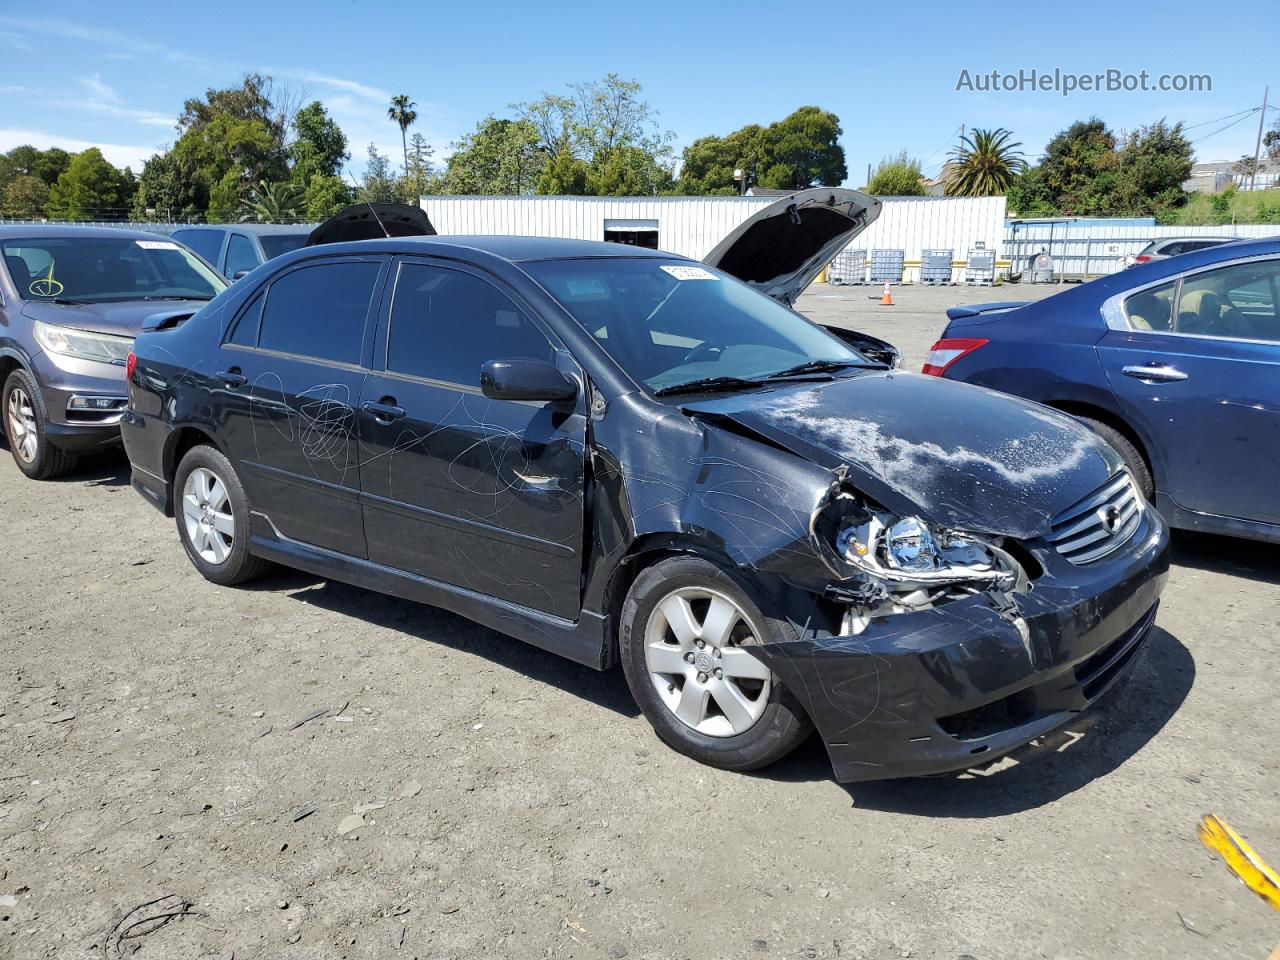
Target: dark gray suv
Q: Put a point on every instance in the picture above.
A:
(236, 249)
(71, 301)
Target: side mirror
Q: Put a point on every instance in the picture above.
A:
(239, 275)
(525, 380)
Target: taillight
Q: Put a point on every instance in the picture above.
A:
(1142, 258)
(130, 365)
(946, 352)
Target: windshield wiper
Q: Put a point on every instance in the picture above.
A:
(812, 366)
(708, 385)
(66, 302)
(177, 297)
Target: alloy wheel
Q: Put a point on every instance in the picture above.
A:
(694, 652)
(206, 511)
(23, 433)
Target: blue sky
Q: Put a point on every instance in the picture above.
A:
(78, 74)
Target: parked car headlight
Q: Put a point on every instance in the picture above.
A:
(70, 342)
(907, 550)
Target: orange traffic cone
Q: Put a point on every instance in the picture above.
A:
(887, 299)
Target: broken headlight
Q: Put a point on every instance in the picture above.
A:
(907, 550)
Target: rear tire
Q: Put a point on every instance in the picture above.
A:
(1129, 453)
(212, 513)
(24, 414)
(683, 628)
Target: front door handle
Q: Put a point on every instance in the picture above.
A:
(232, 377)
(1154, 373)
(384, 411)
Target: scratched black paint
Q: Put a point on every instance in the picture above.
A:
(531, 518)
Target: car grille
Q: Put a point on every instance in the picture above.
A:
(1100, 523)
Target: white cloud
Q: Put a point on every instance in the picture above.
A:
(337, 83)
(16, 41)
(146, 117)
(99, 88)
(122, 155)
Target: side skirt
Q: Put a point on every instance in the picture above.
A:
(583, 642)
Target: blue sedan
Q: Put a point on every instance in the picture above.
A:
(1176, 363)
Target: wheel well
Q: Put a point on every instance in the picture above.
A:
(182, 440)
(1102, 415)
(641, 557)
(7, 366)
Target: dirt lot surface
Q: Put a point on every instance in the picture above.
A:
(457, 794)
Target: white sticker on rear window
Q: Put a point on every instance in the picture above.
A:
(591, 288)
(157, 244)
(689, 273)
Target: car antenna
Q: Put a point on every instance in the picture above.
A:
(385, 231)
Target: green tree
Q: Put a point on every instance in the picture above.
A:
(25, 197)
(1149, 172)
(604, 139)
(401, 111)
(985, 164)
(274, 203)
(29, 161)
(422, 178)
(91, 189)
(379, 183)
(1029, 195)
(325, 196)
(498, 157)
(319, 146)
(707, 165)
(801, 150)
(1076, 171)
(165, 194)
(898, 176)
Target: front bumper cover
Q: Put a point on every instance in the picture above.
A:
(959, 685)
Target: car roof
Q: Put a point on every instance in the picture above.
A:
(260, 229)
(1164, 240)
(28, 231)
(510, 248)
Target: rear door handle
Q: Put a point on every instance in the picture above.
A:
(232, 377)
(383, 412)
(1154, 373)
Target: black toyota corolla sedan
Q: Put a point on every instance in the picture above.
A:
(621, 455)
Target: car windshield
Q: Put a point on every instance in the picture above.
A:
(671, 323)
(107, 269)
(275, 244)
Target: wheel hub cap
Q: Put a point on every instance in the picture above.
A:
(207, 518)
(695, 651)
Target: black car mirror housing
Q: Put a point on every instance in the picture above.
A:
(521, 379)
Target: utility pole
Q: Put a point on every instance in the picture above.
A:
(1257, 147)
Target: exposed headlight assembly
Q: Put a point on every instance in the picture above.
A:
(891, 564)
(81, 344)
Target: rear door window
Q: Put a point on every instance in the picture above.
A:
(207, 243)
(320, 311)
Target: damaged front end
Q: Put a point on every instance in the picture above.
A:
(885, 564)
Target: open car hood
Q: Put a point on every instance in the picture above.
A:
(372, 221)
(780, 249)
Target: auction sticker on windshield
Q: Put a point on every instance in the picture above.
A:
(157, 244)
(689, 273)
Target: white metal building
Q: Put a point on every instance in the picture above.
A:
(692, 226)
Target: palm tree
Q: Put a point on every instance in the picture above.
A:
(273, 203)
(984, 164)
(402, 112)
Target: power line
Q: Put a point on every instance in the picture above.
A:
(1225, 126)
(1205, 123)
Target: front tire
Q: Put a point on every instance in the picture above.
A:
(22, 407)
(212, 514)
(685, 627)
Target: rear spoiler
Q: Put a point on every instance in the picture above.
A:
(977, 309)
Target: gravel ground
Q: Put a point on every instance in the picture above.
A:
(462, 795)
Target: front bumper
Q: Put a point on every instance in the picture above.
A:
(959, 685)
(61, 379)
